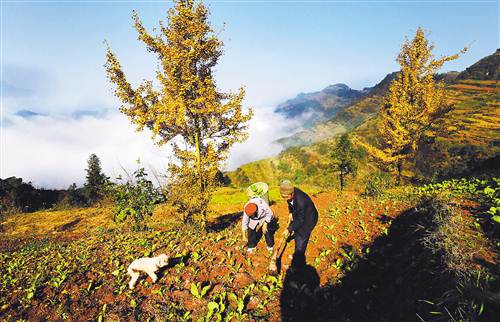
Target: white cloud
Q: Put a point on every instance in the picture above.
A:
(265, 127)
(52, 151)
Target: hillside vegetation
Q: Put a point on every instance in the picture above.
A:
(471, 141)
(487, 68)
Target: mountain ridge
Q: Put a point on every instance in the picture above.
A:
(319, 106)
(347, 117)
(487, 68)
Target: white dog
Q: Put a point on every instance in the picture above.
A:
(148, 265)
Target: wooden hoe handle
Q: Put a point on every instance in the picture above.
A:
(278, 251)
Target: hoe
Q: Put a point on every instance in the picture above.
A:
(278, 252)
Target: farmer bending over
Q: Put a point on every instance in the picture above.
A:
(258, 218)
(304, 217)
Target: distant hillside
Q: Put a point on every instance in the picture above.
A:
(346, 117)
(383, 86)
(448, 78)
(349, 116)
(470, 144)
(487, 68)
(315, 107)
(345, 120)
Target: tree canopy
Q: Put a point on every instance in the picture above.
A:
(186, 109)
(414, 105)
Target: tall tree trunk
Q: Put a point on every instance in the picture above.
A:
(400, 169)
(200, 176)
(198, 160)
(341, 175)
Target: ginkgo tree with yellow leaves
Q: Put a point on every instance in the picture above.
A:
(185, 109)
(414, 106)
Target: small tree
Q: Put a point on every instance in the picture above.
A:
(95, 180)
(415, 104)
(135, 199)
(344, 159)
(187, 110)
(76, 197)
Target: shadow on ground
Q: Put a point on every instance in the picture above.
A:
(224, 221)
(300, 288)
(70, 225)
(399, 280)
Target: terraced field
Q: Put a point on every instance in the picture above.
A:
(477, 112)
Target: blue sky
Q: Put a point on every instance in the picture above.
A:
(275, 49)
(53, 51)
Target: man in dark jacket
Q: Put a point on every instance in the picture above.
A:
(304, 217)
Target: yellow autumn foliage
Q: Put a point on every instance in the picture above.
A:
(414, 106)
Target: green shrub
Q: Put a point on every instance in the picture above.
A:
(311, 169)
(299, 177)
(242, 178)
(135, 199)
(76, 196)
(298, 154)
(377, 183)
(284, 167)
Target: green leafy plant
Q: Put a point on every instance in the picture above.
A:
(338, 263)
(31, 290)
(334, 212)
(270, 285)
(332, 238)
(495, 214)
(136, 199)
(59, 277)
(364, 228)
(217, 307)
(197, 256)
(100, 318)
(199, 291)
(241, 301)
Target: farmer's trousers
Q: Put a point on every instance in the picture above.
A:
(301, 241)
(254, 236)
